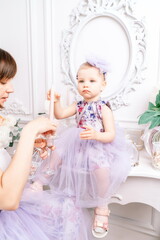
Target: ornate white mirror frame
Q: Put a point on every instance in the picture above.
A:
(123, 39)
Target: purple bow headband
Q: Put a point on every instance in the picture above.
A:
(97, 62)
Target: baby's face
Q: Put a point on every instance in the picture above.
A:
(90, 83)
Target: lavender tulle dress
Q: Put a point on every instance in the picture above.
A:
(89, 171)
(43, 215)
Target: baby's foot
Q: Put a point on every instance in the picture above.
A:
(100, 225)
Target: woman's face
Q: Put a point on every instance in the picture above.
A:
(5, 89)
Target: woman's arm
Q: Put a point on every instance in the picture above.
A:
(12, 181)
(109, 127)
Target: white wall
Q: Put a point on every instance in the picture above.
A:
(31, 30)
(149, 10)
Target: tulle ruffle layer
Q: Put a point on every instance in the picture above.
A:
(44, 216)
(88, 170)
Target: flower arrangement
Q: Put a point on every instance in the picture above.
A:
(9, 131)
(152, 115)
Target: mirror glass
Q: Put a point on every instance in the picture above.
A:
(106, 37)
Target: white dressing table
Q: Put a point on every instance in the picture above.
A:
(141, 186)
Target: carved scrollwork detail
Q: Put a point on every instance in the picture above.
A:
(123, 10)
(15, 108)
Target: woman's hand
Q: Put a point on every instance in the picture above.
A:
(88, 133)
(41, 125)
(46, 127)
(56, 96)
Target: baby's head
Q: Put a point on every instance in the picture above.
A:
(87, 66)
(94, 61)
(91, 78)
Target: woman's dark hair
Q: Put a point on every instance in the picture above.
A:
(8, 66)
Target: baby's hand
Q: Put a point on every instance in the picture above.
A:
(88, 133)
(56, 96)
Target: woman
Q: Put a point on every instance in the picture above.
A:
(13, 179)
(40, 215)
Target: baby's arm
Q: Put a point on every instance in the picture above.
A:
(109, 127)
(59, 111)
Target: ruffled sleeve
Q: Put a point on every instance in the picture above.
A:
(105, 102)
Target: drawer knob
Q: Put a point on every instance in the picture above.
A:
(118, 196)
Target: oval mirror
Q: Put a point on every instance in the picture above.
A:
(117, 37)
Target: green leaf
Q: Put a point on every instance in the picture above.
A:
(157, 109)
(151, 106)
(11, 144)
(158, 99)
(155, 122)
(14, 138)
(16, 125)
(17, 137)
(147, 116)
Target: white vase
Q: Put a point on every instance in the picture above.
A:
(156, 155)
(151, 138)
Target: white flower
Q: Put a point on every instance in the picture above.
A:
(10, 121)
(9, 131)
(15, 130)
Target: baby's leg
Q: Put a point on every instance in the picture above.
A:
(52, 162)
(101, 213)
(102, 177)
(55, 160)
(45, 172)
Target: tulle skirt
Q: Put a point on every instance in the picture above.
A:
(86, 174)
(88, 170)
(45, 216)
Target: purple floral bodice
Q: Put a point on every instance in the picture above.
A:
(90, 114)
